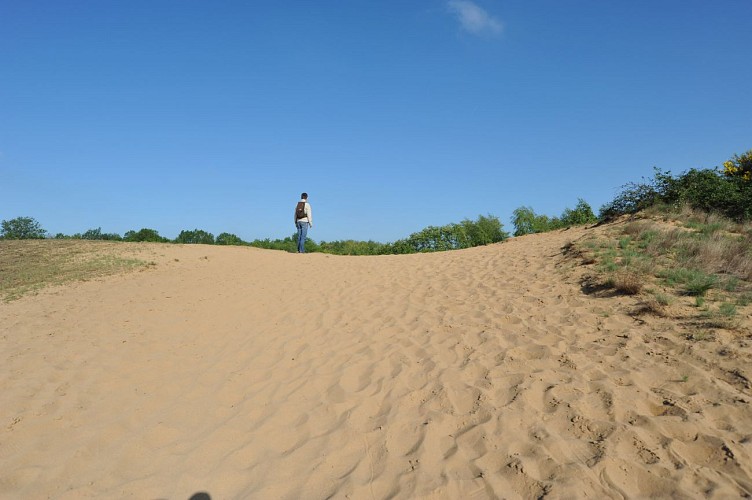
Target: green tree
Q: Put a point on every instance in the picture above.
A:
(526, 221)
(97, 234)
(197, 236)
(485, 230)
(228, 239)
(22, 228)
(582, 214)
(150, 235)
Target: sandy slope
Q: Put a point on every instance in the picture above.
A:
(258, 374)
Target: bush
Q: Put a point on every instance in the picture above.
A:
(483, 231)
(150, 235)
(22, 228)
(728, 192)
(582, 214)
(352, 247)
(636, 196)
(289, 244)
(739, 166)
(706, 190)
(229, 239)
(526, 221)
(197, 236)
(97, 234)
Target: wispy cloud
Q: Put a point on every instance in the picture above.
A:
(474, 18)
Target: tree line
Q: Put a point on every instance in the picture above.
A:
(727, 191)
(482, 231)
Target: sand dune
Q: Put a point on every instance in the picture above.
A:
(244, 373)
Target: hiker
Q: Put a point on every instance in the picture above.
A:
(303, 220)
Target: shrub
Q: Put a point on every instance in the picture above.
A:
(289, 244)
(708, 191)
(483, 231)
(228, 239)
(150, 235)
(582, 214)
(352, 247)
(636, 196)
(22, 228)
(739, 166)
(97, 234)
(197, 236)
(728, 192)
(526, 221)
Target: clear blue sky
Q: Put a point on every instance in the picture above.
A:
(392, 115)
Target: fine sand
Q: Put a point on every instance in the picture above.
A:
(481, 373)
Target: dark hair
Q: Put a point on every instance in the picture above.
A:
(304, 196)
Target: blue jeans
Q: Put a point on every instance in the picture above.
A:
(302, 232)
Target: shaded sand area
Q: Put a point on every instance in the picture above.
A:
(482, 373)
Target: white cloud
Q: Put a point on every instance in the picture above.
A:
(474, 18)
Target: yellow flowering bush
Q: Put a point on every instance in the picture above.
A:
(739, 166)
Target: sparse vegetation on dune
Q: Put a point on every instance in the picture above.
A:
(27, 266)
(683, 264)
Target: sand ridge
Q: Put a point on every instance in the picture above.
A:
(482, 373)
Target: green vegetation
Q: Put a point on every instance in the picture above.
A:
(526, 221)
(696, 260)
(482, 231)
(228, 239)
(149, 235)
(22, 228)
(726, 192)
(197, 236)
(692, 240)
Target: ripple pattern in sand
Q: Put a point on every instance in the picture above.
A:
(482, 373)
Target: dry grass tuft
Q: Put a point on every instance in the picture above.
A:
(653, 305)
(627, 282)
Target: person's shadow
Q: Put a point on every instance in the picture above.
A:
(202, 495)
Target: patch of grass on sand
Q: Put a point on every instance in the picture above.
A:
(694, 260)
(29, 265)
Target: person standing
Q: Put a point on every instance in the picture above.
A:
(303, 220)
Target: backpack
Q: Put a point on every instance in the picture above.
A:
(300, 212)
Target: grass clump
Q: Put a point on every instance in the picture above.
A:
(744, 299)
(663, 299)
(693, 281)
(727, 309)
(627, 282)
